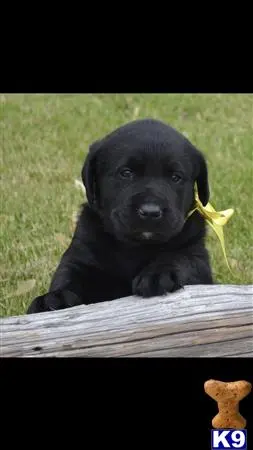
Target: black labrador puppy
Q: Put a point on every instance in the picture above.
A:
(133, 236)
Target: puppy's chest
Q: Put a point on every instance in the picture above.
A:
(127, 264)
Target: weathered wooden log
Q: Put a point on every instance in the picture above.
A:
(202, 321)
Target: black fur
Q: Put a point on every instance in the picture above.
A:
(132, 236)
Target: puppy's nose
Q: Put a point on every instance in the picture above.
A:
(150, 211)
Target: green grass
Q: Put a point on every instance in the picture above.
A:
(45, 139)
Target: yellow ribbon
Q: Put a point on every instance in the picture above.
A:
(216, 219)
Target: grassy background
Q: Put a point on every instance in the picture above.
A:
(45, 139)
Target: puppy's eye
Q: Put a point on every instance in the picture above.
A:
(126, 173)
(176, 177)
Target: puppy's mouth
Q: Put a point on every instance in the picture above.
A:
(148, 233)
(142, 236)
(147, 236)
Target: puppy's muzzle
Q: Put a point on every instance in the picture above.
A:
(150, 211)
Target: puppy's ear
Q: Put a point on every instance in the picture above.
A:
(89, 175)
(202, 180)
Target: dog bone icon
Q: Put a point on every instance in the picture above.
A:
(228, 396)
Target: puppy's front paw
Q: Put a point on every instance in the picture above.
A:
(151, 284)
(53, 301)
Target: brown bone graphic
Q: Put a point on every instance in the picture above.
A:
(228, 396)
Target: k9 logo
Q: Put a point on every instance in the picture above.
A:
(227, 439)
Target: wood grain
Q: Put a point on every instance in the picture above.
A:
(202, 321)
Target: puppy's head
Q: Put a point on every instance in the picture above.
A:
(140, 180)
